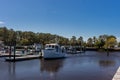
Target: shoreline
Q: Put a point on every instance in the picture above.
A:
(102, 49)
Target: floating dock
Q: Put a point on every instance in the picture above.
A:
(117, 75)
(21, 58)
(8, 55)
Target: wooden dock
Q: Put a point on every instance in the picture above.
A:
(117, 75)
(21, 58)
(7, 55)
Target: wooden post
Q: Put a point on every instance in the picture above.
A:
(107, 49)
(107, 52)
(14, 50)
(10, 51)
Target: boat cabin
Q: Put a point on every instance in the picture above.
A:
(55, 47)
(52, 46)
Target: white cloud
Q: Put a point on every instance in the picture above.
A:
(1, 22)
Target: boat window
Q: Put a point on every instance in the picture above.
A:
(49, 45)
(46, 46)
(52, 46)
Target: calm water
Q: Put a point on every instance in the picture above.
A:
(85, 66)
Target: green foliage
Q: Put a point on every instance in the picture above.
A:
(80, 41)
(11, 37)
(73, 41)
(24, 42)
(103, 41)
(110, 41)
(99, 43)
(90, 42)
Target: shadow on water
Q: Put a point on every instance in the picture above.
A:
(51, 65)
(107, 63)
(50, 68)
(12, 70)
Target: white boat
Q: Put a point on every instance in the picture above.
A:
(52, 51)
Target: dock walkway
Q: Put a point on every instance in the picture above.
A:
(26, 57)
(7, 55)
(117, 75)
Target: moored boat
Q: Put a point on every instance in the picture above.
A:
(53, 51)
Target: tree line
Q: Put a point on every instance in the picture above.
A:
(12, 37)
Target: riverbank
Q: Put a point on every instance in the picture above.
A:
(101, 49)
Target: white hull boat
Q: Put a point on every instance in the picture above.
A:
(53, 51)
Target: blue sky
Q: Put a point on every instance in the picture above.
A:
(66, 18)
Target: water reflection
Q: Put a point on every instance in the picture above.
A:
(51, 65)
(50, 68)
(11, 71)
(106, 63)
(90, 66)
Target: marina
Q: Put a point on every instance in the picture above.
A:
(60, 40)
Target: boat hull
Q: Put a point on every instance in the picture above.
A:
(52, 54)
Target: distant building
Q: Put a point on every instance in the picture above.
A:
(116, 46)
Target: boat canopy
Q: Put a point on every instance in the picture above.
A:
(52, 46)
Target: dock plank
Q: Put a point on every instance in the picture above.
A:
(26, 57)
(7, 55)
(117, 75)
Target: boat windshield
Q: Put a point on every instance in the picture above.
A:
(50, 46)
